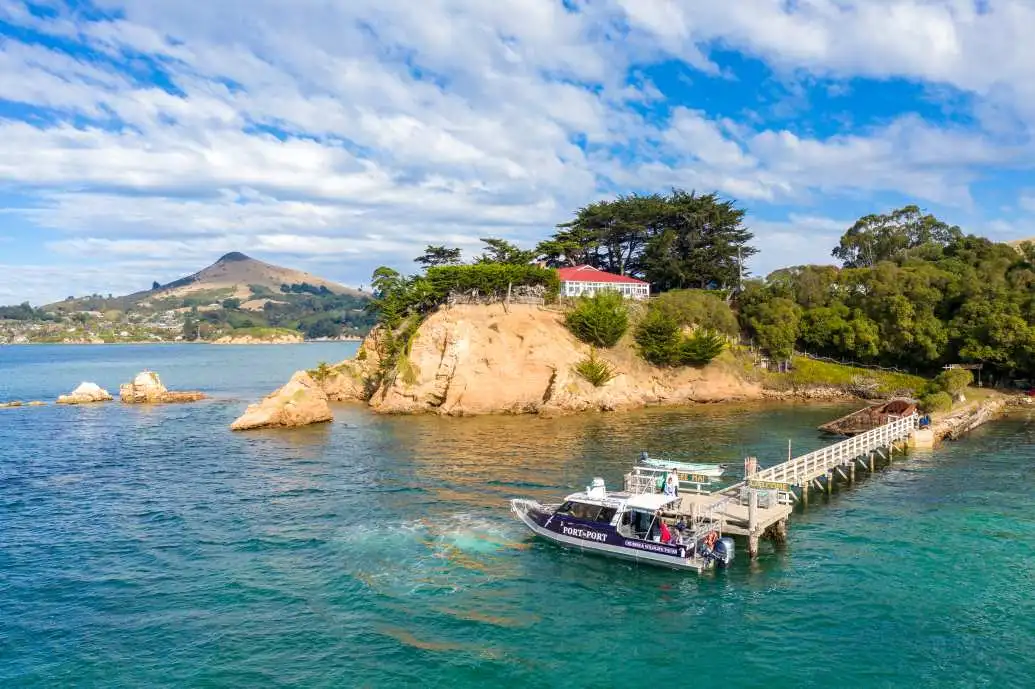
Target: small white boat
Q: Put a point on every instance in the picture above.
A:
(627, 526)
(712, 471)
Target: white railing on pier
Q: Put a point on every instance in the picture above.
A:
(800, 470)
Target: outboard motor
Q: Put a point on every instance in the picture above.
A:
(723, 551)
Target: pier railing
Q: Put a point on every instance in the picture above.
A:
(799, 471)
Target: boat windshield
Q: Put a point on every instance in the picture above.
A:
(587, 512)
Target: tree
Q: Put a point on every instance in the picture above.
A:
(774, 325)
(600, 320)
(156, 285)
(876, 238)
(698, 308)
(231, 303)
(502, 251)
(657, 338)
(438, 256)
(701, 347)
(675, 241)
(954, 381)
(702, 243)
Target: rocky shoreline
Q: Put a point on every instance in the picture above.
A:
(473, 360)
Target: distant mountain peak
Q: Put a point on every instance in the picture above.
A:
(233, 256)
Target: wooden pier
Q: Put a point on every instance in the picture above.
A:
(760, 505)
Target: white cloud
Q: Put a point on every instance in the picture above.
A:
(365, 129)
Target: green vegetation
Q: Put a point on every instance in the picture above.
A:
(263, 333)
(657, 338)
(700, 308)
(954, 381)
(600, 320)
(322, 372)
(673, 241)
(914, 293)
(660, 341)
(807, 372)
(700, 348)
(595, 370)
(936, 402)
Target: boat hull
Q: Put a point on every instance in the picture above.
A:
(713, 471)
(607, 542)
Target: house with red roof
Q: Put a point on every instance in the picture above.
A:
(586, 281)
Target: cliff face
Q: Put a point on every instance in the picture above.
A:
(467, 360)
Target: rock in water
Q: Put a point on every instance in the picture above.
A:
(10, 405)
(86, 393)
(299, 403)
(147, 388)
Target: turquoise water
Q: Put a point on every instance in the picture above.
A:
(152, 547)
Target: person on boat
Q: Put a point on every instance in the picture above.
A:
(675, 481)
(672, 486)
(666, 535)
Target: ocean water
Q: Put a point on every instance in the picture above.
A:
(152, 547)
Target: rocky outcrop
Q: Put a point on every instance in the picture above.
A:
(299, 403)
(956, 423)
(469, 360)
(86, 393)
(147, 388)
(476, 359)
(277, 338)
(11, 405)
(814, 392)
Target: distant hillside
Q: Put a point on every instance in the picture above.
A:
(236, 295)
(234, 275)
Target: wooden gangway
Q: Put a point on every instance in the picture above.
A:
(800, 471)
(763, 501)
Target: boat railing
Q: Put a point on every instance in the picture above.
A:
(643, 480)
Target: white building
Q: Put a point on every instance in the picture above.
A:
(587, 281)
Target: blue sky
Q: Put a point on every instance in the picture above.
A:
(145, 138)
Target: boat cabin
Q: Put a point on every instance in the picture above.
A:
(631, 515)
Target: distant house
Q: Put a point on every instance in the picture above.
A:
(587, 281)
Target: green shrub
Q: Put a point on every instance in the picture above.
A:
(597, 371)
(954, 380)
(322, 372)
(491, 279)
(936, 402)
(700, 348)
(600, 320)
(698, 308)
(657, 338)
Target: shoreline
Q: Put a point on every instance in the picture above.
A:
(170, 342)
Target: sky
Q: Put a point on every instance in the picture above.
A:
(142, 139)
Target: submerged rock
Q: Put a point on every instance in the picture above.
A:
(299, 403)
(147, 388)
(86, 393)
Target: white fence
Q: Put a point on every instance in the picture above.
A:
(801, 470)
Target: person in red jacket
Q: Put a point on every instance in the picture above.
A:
(666, 535)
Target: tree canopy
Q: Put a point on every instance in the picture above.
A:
(914, 292)
(675, 241)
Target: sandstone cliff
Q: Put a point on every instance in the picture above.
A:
(469, 360)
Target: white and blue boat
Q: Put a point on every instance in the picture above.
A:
(627, 526)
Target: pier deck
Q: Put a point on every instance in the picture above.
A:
(761, 504)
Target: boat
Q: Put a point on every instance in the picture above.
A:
(627, 526)
(712, 471)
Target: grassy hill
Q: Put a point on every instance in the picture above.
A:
(234, 293)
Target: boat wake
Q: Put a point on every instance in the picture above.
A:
(432, 557)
